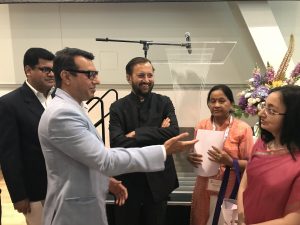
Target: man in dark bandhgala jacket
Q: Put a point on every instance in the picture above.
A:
(139, 119)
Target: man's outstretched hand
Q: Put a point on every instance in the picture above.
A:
(174, 145)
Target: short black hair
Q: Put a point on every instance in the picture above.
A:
(225, 89)
(64, 60)
(137, 60)
(290, 131)
(32, 56)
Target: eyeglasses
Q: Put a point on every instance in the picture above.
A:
(45, 69)
(90, 74)
(269, 111)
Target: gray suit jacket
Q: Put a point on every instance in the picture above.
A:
(78, 164)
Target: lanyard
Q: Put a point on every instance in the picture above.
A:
(227, 128)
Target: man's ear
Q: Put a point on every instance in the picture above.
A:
(27, 70)
(65, 77)
(128, 78)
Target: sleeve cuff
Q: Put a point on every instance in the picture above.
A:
(164, 152)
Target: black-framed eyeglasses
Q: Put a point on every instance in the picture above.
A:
(45, 69)
(89, 73)
(269, 111)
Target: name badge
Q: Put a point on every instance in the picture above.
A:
(214, 185)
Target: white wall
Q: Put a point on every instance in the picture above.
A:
(6, 58)
(55, 26)
(287, 15)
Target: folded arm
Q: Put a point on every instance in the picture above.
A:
(145, 135)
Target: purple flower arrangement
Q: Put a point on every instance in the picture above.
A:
(260, 84)
(295, 76)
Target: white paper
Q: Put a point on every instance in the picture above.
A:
(207, 139)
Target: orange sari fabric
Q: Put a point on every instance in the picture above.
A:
(238, 145)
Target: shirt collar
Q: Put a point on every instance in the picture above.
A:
(137, 98)
(84, 106)
(37, 93)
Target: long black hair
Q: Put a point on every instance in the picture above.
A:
(290, 131)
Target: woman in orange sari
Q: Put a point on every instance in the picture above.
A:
(238, 142)
(269, 193)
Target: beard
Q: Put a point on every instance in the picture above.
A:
(138, 90)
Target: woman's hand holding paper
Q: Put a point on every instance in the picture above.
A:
(219, 156)
(195, 159)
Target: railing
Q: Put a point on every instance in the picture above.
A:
(102, 115)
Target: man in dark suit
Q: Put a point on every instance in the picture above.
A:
(21, 157)
(139, 119)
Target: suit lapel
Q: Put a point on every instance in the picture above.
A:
(31, 101)
(65, 96)
(93, 128)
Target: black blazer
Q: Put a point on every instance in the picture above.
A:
(21, 157)
(128, 114)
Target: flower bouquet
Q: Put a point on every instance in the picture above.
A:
(260, 84)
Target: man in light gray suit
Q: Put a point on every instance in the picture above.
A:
(78, 164)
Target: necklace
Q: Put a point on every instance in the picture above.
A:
(227, 128)
(271, 146)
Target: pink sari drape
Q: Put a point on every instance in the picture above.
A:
(273, 185)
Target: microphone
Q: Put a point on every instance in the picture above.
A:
(188, 44)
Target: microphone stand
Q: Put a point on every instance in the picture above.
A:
(146, 44)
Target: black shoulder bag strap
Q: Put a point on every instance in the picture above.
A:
(223, 187)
